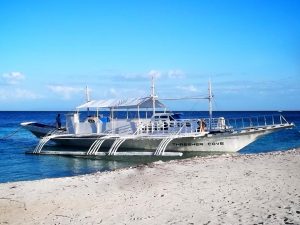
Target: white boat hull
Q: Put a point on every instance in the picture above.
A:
(158, 143)
(219, 142)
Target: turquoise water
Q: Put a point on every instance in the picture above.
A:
(15, 165)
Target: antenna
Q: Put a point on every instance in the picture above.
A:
(87, 94)
(153, 94)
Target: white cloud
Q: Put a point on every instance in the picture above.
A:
(172, 74)
(18, 94)
(140, 76)
(133, 76)
(176, 74)
(4, 95)
(13, 77)
(65, 91)
(113, 92)
(189, 88)
(26, 94)
(119, 92)
(154, 73)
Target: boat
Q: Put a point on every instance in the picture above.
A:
(158, 132)
(39, 129)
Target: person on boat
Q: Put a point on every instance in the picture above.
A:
(201, 125)
(58, 121)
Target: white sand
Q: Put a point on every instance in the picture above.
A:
(243, 189)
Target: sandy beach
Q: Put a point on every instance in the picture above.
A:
(229, 189)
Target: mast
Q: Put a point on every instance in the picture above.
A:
(153, 95)
(210, 96)
(87, 98)
(87, 94)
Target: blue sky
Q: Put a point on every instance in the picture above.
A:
(50, 50)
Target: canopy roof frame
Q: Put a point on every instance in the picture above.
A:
(131, 103)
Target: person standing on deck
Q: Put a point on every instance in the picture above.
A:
(58, 121)
(201, 125)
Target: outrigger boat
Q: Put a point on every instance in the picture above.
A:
(162, 134)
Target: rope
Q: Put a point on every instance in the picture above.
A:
(10, 134)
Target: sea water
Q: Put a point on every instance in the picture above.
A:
(15, 165)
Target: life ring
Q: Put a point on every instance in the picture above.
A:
(91, 120)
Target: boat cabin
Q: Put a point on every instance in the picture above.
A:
(98, 124)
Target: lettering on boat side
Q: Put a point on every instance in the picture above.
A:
(199, 144)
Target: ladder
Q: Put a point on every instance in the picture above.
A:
(41, 144)
(160, 150)
(51, 134)
(117, 143)
(97, 145)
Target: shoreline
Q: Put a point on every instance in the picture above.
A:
(231, 189)
(220, 155)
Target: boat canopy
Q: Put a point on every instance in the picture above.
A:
(130, 103)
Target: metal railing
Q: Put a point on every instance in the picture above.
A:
(255, 121)
(126, 129)
(193, 125)
(169, 127)
(214, 124)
